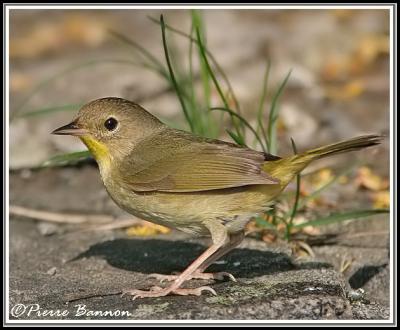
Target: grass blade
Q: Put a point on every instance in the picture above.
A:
(236, 138)
(260, 126)
(171, 73)
(49, 110)
(194, 104)
(339, 217)
(67, 159)
(143, 51)
(204, 73)
(238, 128)
(243, 121)
(273, 116)
(297, 197)
(261, 222)
(209, 54)
(317, 192)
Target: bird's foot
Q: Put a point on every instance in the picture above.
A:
(156, 291)
(196, 275)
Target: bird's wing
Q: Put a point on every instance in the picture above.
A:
(192, 164)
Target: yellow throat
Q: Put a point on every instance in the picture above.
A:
(99, 151)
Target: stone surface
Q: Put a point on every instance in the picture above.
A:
(92, 269)
(72, 270)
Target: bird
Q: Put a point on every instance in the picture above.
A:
(198, 185)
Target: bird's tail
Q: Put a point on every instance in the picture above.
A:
(287, 168)
(344, 146)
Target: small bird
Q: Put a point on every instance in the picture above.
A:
(180, 180)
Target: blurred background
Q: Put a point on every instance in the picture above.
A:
(338, 88)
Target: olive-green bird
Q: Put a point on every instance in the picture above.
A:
(183, 181)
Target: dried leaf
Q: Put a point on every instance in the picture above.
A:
(342, 14)
(269, 237)
(147, 229)
(251, 227)
(381, 199)
(310, 230)
(347, 91)
(321, 178)
(355, 61)
(83, 30)
(343, 179)
(368, 180)
(281, 227)
(345, 263)
(302, 250)
(367, 51)
(58, 36)
(20, 81)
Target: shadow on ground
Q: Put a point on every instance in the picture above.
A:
(162, 256)
(364, 274)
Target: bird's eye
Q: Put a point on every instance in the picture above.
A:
(111, 123)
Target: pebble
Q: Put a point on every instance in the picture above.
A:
(47, 229)
(52, 271)
(220, 262)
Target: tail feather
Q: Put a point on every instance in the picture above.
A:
(345, 146)
(287, 168)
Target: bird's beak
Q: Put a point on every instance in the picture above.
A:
(71, 129)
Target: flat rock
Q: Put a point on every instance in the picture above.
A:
(93, 269)
(82, 274)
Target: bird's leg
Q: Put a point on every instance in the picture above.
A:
(234, 240)
(220, 238)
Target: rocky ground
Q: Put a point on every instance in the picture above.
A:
(339, 88)
(61, 268)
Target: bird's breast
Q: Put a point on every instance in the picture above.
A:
(189, 212)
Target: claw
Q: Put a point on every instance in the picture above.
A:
(162, 278)
(156, 288)
(197, 275)
(230, 276)
(125, 292)
(130, 292)
(205, 288)
(156, 291)
(195, 292)
(221, 276)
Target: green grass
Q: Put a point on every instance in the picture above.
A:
(273, 117)
(261, 107)
(293, 212)
(202, 114)
(339, 217)
(71, 158)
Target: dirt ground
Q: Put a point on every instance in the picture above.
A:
(60, 268)
(339, 88)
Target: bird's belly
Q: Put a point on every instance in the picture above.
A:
(189, 212)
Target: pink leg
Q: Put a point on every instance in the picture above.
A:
(220, 238)
(234, 240)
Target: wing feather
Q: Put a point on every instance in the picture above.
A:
(191, 164)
